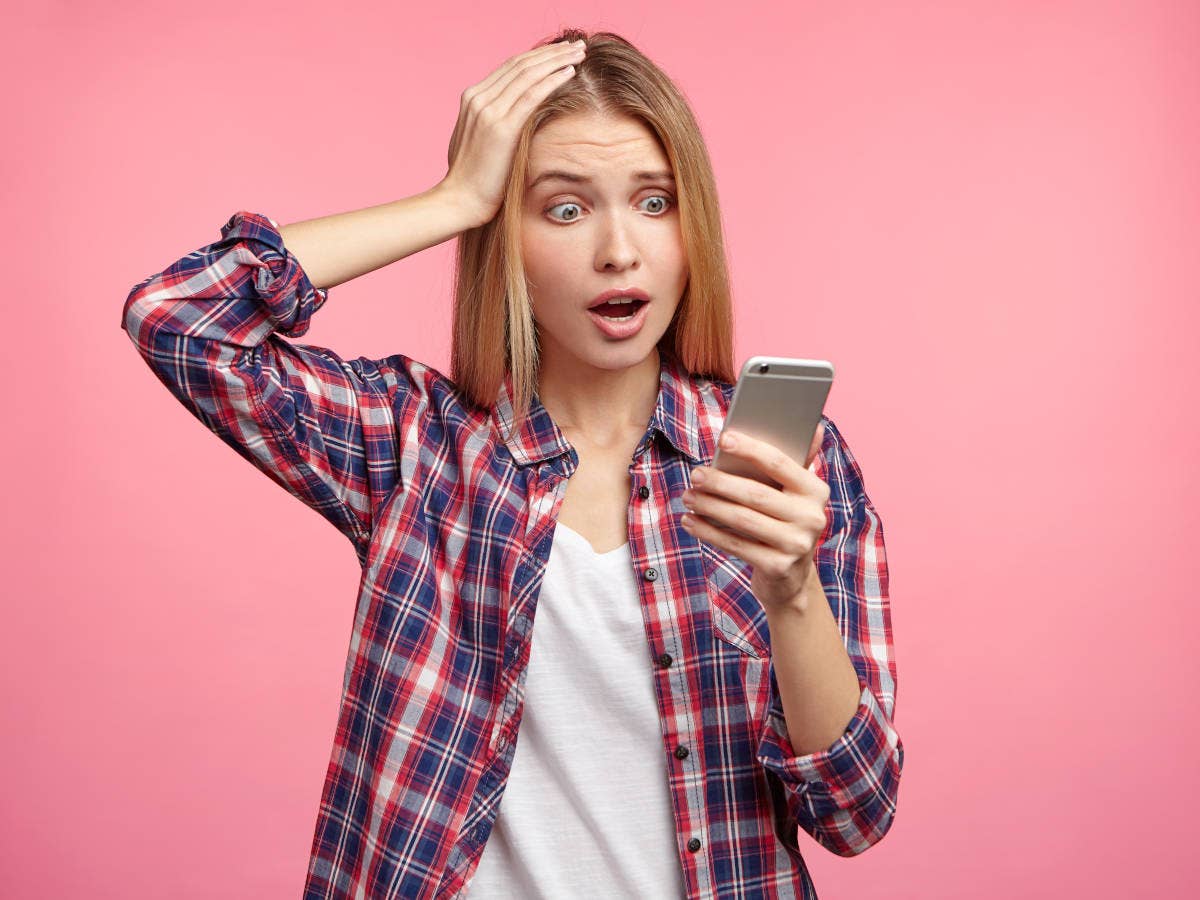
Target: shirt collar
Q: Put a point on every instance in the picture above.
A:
(676, 417)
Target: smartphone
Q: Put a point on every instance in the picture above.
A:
(780, 401)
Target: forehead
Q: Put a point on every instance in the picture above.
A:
(589, 142)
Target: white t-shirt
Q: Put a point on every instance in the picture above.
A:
(586, 811)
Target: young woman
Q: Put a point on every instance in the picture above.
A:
(689, 700)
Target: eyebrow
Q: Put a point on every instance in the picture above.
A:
(558, 175)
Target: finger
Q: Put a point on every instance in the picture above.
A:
(771, 532)
(543, 74)
(538, 92)
(513, 61)
(487, 91)
(735, 545)
(515, 79)
(769, 459)
(748, 491)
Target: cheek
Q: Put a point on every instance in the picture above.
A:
(669, 254)
(547, 280)
(677, 252)
(676, 269)
(550, 266)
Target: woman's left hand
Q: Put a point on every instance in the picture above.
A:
(782, 525)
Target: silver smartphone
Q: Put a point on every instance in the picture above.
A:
(780, 401)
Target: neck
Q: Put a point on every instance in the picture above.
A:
(603, 406)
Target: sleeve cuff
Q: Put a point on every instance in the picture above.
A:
(280, 282)
(853, 770)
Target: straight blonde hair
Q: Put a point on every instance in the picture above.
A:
(491, 292)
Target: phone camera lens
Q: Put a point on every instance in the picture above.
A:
(763, 367)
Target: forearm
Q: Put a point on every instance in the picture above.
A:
(335, 249)
(818, 685)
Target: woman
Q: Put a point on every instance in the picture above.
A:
(689, 700)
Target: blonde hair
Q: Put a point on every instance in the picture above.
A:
(491, 296)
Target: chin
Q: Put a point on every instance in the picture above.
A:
(598, 352)
(624, 356)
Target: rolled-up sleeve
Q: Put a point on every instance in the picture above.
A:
(327, 429)
(845, 795)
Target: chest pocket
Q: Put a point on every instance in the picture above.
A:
(738, 618)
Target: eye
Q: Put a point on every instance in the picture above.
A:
(665, 198)
(666, 201)
(568, 203)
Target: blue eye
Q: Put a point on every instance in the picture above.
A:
(666, 199)
(557, 205)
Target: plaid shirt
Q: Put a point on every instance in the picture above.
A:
(452, 514)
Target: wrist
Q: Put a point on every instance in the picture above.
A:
(802, 604)
(464, 204)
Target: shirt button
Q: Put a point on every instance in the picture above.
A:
(681, 752)
(694, 844)
(665, 660)
(651, 574)
(643, 492)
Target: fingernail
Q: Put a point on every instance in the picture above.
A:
(698, 476)
(728, 441)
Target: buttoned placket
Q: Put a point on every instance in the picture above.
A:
(654, 513)
(548, 498)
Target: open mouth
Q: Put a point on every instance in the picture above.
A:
(620, 310)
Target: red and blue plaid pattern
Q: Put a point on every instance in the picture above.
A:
(452, 513)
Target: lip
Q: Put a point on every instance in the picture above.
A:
(619, 292)
(621, 330)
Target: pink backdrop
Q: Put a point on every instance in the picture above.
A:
(985, 214)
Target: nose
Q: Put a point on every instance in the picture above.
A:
(616, 248)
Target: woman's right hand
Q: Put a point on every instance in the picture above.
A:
(490, 118)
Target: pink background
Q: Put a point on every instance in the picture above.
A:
(985, 214)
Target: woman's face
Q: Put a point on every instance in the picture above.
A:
(600, 223)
